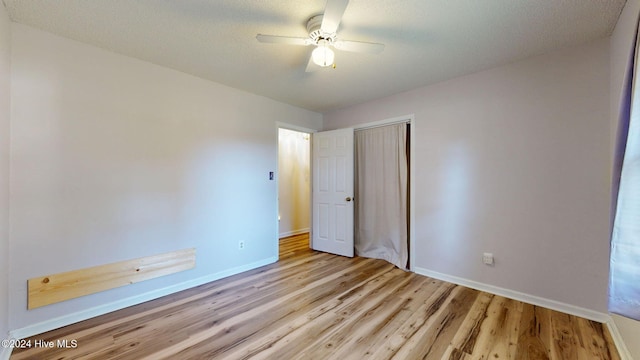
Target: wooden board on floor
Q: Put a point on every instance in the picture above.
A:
(50, 289)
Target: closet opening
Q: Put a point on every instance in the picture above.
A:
(382, 192)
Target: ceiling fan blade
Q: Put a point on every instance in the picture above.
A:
(289, 40)
(311, 66)
(333, 12)
(359, 46)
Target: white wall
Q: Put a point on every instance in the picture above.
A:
(294, 161)
(115, 158)
(514, 161)
(622, 41)
(5, 100)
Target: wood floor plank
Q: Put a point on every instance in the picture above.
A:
(467, 335)
(319, 326)
(312, 305)
(371, 318)
(499, 330)
(594, 339)
(530, 345)
(368, 343)
(442, 320)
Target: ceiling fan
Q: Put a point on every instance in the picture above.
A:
(322, 34)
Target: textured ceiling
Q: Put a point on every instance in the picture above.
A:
(426, 40)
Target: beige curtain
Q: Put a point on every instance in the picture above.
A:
(381, 179)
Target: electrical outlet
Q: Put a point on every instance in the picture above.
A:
(487, 258)
(240, 244)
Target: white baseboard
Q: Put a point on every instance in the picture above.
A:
(294, 232)
(511, 294)
(5, 353)
(618, 340)
(72, 318)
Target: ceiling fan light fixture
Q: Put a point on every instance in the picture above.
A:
(323, 55)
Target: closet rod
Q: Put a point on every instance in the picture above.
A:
(377, 125)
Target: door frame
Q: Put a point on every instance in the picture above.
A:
(410, 119)
(283, 125)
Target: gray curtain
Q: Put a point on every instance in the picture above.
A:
(381, 188)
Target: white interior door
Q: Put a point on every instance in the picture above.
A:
(332, 225)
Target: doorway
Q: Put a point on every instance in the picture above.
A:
(294, 182)
(284, 190)
(382, 226)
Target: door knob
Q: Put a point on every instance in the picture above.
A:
(348, 198)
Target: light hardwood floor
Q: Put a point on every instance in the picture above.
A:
(312, 305)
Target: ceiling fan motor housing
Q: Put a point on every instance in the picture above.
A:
(315, 31)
